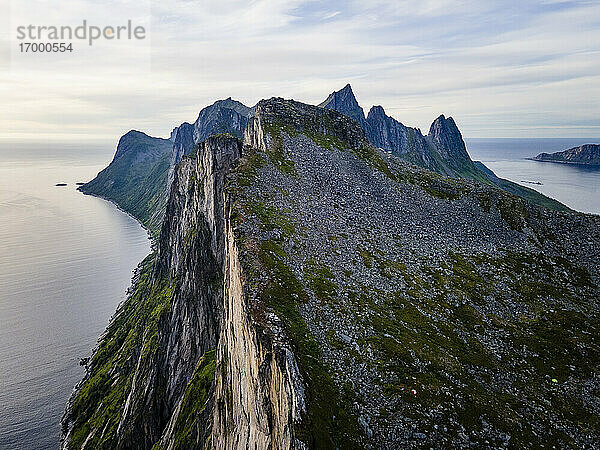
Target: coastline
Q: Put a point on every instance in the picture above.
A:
(66, 426)
(120, 208)
(570, 163)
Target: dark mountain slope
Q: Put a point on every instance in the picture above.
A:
(135, 178)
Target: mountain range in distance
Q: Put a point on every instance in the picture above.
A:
(138, 177)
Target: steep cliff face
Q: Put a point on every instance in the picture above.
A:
(183, 142)
(387, 133)
(311, 291)
(441, 151)
(222, 117)
(183, 352)
(166, 333)
(447, 138)
(139, 177)
(259, 395)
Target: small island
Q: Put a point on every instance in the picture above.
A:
(588, 154)
(79, 183)
(60, 184)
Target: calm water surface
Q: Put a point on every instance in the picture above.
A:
(65, 263)
(576, 186)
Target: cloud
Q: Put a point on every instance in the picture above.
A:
(517, 69)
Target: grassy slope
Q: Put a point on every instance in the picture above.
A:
(98, 406)
(136, 180)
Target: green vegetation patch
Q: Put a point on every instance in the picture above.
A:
(432, 341)
(194, 402)
(366, 256)
(276, 153)
(248, 167)
(271, 218)
(369, 154)
(329, 423)
(513, 211)
(99, 404)
(320, 280)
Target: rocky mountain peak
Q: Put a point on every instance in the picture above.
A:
(447, 137)
(345, 102)
(376, 112)
(300, 117)
(232, 104)
(132, 134)
(443, 151)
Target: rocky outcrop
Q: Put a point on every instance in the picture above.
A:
(222, 117)
(345, 102)
(408, 143)
(588, 154)
(259, 394)
(206, 313)
(449, 142)
(141, 173)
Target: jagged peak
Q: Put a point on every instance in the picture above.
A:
(345, 102)
(345, 95)
(443, 124)
(347, 89)
(448, 139)
(184, 133)
(376, 111)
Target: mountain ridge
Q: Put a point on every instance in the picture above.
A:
(145, 196)
(309, 290)
(442, 150)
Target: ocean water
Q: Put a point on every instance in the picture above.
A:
(578, 187)
(66, 261)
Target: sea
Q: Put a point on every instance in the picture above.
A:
(576, 186)
(66, 260)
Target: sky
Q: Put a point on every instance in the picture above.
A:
(500, 68)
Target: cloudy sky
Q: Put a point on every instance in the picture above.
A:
(528, 68)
